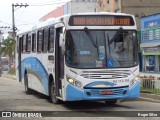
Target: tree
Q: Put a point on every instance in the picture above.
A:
(8, 49)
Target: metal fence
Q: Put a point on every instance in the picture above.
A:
(150, 84)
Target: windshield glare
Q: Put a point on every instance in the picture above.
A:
(108, 53)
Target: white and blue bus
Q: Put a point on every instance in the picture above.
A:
(84, 56)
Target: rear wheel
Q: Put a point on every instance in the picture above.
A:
(27, 90)
(53, 98)
(111, 101)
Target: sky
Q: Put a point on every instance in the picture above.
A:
(25, 17)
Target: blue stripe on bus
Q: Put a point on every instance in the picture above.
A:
(101, 83)
(75, 94)
(33, 64)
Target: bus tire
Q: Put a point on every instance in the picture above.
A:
(112, 102)
(27, 90)
(52, 96)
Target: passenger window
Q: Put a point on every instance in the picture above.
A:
(39, 41)
(28, 42)
(45, 40)
(51, 40)
(24, 43)
(33, 42)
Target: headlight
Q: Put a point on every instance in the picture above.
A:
(78, 83)
(136, 78)
(70, 80)
(134, 81)
(74, 82)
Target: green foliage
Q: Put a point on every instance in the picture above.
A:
(12, 71)
(149, 90)
(8, 47)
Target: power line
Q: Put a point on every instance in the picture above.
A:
(20, 15)
(4, 23)
(4, 27)
(47, 4)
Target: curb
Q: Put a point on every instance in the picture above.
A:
(149, 100)
(150, 97)
(146, 97)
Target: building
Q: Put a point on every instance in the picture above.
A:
(139, 8)
(73, 6)
(10, 35)
(150, 43)
(108, 5)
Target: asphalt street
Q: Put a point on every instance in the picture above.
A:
(13, 98)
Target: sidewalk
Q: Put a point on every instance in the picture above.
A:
(150, 97)
(9, 76)
(143, 96)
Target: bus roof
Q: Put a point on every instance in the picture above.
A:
(51, 21)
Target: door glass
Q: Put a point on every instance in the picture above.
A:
(150, 63)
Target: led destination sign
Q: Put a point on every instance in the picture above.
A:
(101, 20)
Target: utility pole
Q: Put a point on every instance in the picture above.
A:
(13, 20)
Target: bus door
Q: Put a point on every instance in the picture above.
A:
(19, 50)
(59, 62)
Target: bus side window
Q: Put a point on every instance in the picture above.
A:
(24, 44)
(28, 42)
(39, 41)
(51, 40)
(33, 42)
(45, 40)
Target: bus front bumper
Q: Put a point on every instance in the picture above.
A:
(75, 94)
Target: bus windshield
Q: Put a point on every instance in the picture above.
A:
(112, 50)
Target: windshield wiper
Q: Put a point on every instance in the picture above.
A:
(90, 37)
(108, 43)
(116, 35)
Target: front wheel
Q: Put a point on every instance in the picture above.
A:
(53, 98)
(27, 90)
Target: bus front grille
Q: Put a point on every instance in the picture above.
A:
(107, 74)
(106, 92)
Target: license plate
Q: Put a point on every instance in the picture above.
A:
(106, 92)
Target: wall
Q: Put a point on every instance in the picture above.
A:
(109, 5)
(74, 6)
(81, 6)
(140, 8)
(53, 14)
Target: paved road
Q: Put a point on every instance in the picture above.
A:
(13, 98)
